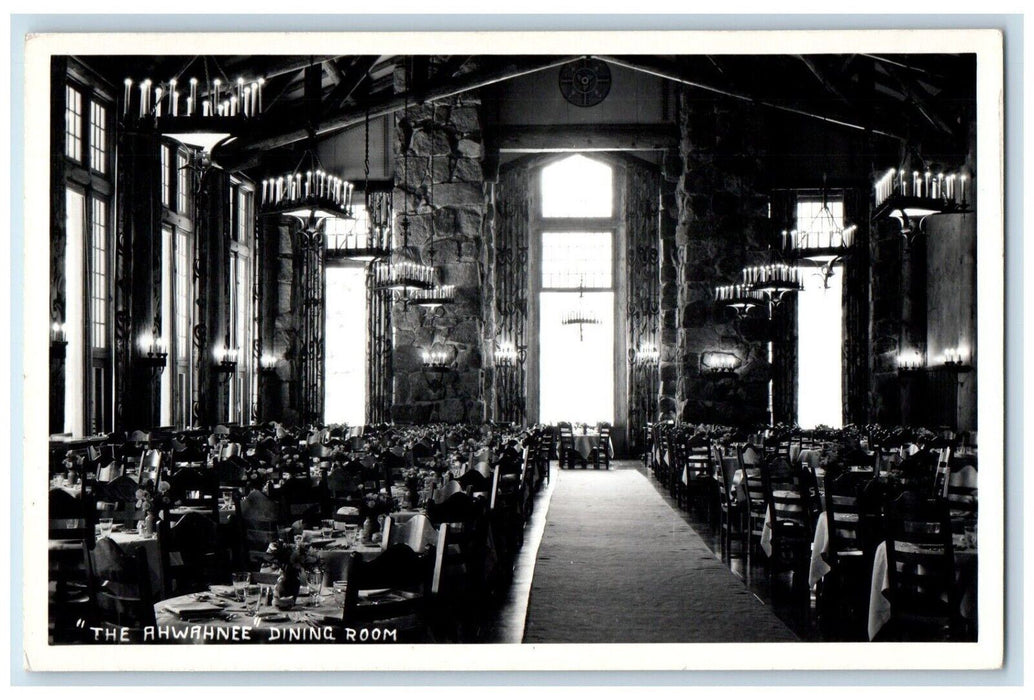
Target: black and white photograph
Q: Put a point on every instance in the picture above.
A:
(555, 347)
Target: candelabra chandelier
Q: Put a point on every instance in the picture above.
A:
(308, 193)
(197, 113)
(739, 297)
(774, 281)
(438, 294)
(581, 316)
(910, 198)
(820, 242)
(403, 271)
(375, 243)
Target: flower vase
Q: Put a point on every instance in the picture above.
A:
(369, 527)
(147, 526)
(286, 590)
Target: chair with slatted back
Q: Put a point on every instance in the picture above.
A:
(921, 571)
(71, 535)
(391, 590)
(600, 455)
(121, 589)
(565, 448)
(195, 489)
(732, 512)
(117, 500)
(259, 523)
(478, 479)
(843, 593)
(960, 492)
(792, 533)
(700, 485)
(757, 507)
(192, 558)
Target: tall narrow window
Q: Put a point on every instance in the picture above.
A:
(345, 337)
(73, 124)
(166, 184)
(819, 325)
(98, 274)
(180, 348)
(75, 293)
(241, 318)
(576, 362)
(168, 304)
(182, 183)
(98, 137)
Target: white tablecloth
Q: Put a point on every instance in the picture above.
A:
(879, 605)
(584, 444)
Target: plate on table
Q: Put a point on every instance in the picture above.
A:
(194, 609)
(321, 542)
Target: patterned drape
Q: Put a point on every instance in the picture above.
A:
(856, 371)
(642, 202)
(379, 351)
(511, 292)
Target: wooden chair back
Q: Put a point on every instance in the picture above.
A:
(121, 586)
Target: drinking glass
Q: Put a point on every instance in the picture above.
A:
(340, 593)
(353, 535)
(314, 577)
(252, 597)
(241, 579)
(106, 525)
(328, 528)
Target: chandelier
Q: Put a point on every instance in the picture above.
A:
(200, 113)
(912, 198)
(739, 297)
(820, 242)
(375, 242)
(581, 316)
(773, 281)
(308, 193)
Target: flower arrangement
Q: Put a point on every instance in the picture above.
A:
(292, 561)
(151, 502)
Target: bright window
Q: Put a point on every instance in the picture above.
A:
(99, 274)
(98, 137)
(345, 337)
(182, 183)
(577, 187)
(576, 368)
(820, 328)
(168, 302)
(73, 124)
(75, 286)
(166, 182)
(573, 258)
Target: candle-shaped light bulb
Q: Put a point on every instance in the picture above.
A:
(126, 97)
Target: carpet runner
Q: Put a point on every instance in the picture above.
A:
(618, 564)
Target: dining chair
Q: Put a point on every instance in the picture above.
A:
(192, 557)
(731, 512)
(120, 585)
(601, 452)
(757, 506)
(195, 488)
(259, 519)
(843, 593)
(70, 535)
(117, 500)
(921, 571)
(792, 533)
(565, 450)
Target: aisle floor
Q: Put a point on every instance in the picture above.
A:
(618, 564)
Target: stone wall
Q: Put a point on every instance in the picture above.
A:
(442, 182)
(722, 227)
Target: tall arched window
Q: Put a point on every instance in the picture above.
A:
(575, 275)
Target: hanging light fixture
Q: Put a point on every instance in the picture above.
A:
(375, 242)
(403, 271)
(739, 297)
(198, 114)
(912, 198)
(308, 193)
(439, 294)
(823, 241)
(774, 281)
(581, 316)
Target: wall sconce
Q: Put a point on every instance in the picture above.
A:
(647, 355)
(58, 341)
(957, 358)
(268, 362)
(226, 359)
(717, 363)
(435, 360)
(910, 361)
(506, 355)
(153, 352)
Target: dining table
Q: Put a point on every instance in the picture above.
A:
(585, 443)
(965, 579)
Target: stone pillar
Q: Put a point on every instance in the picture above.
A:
(721, 228)
(667, 397)
(441, 182)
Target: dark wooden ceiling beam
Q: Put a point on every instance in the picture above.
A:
(585, 137)
(668, 71)
(354, 76)
(247, 148)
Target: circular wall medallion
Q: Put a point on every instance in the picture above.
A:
(585, 83)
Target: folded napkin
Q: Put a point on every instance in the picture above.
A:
(194, 609)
